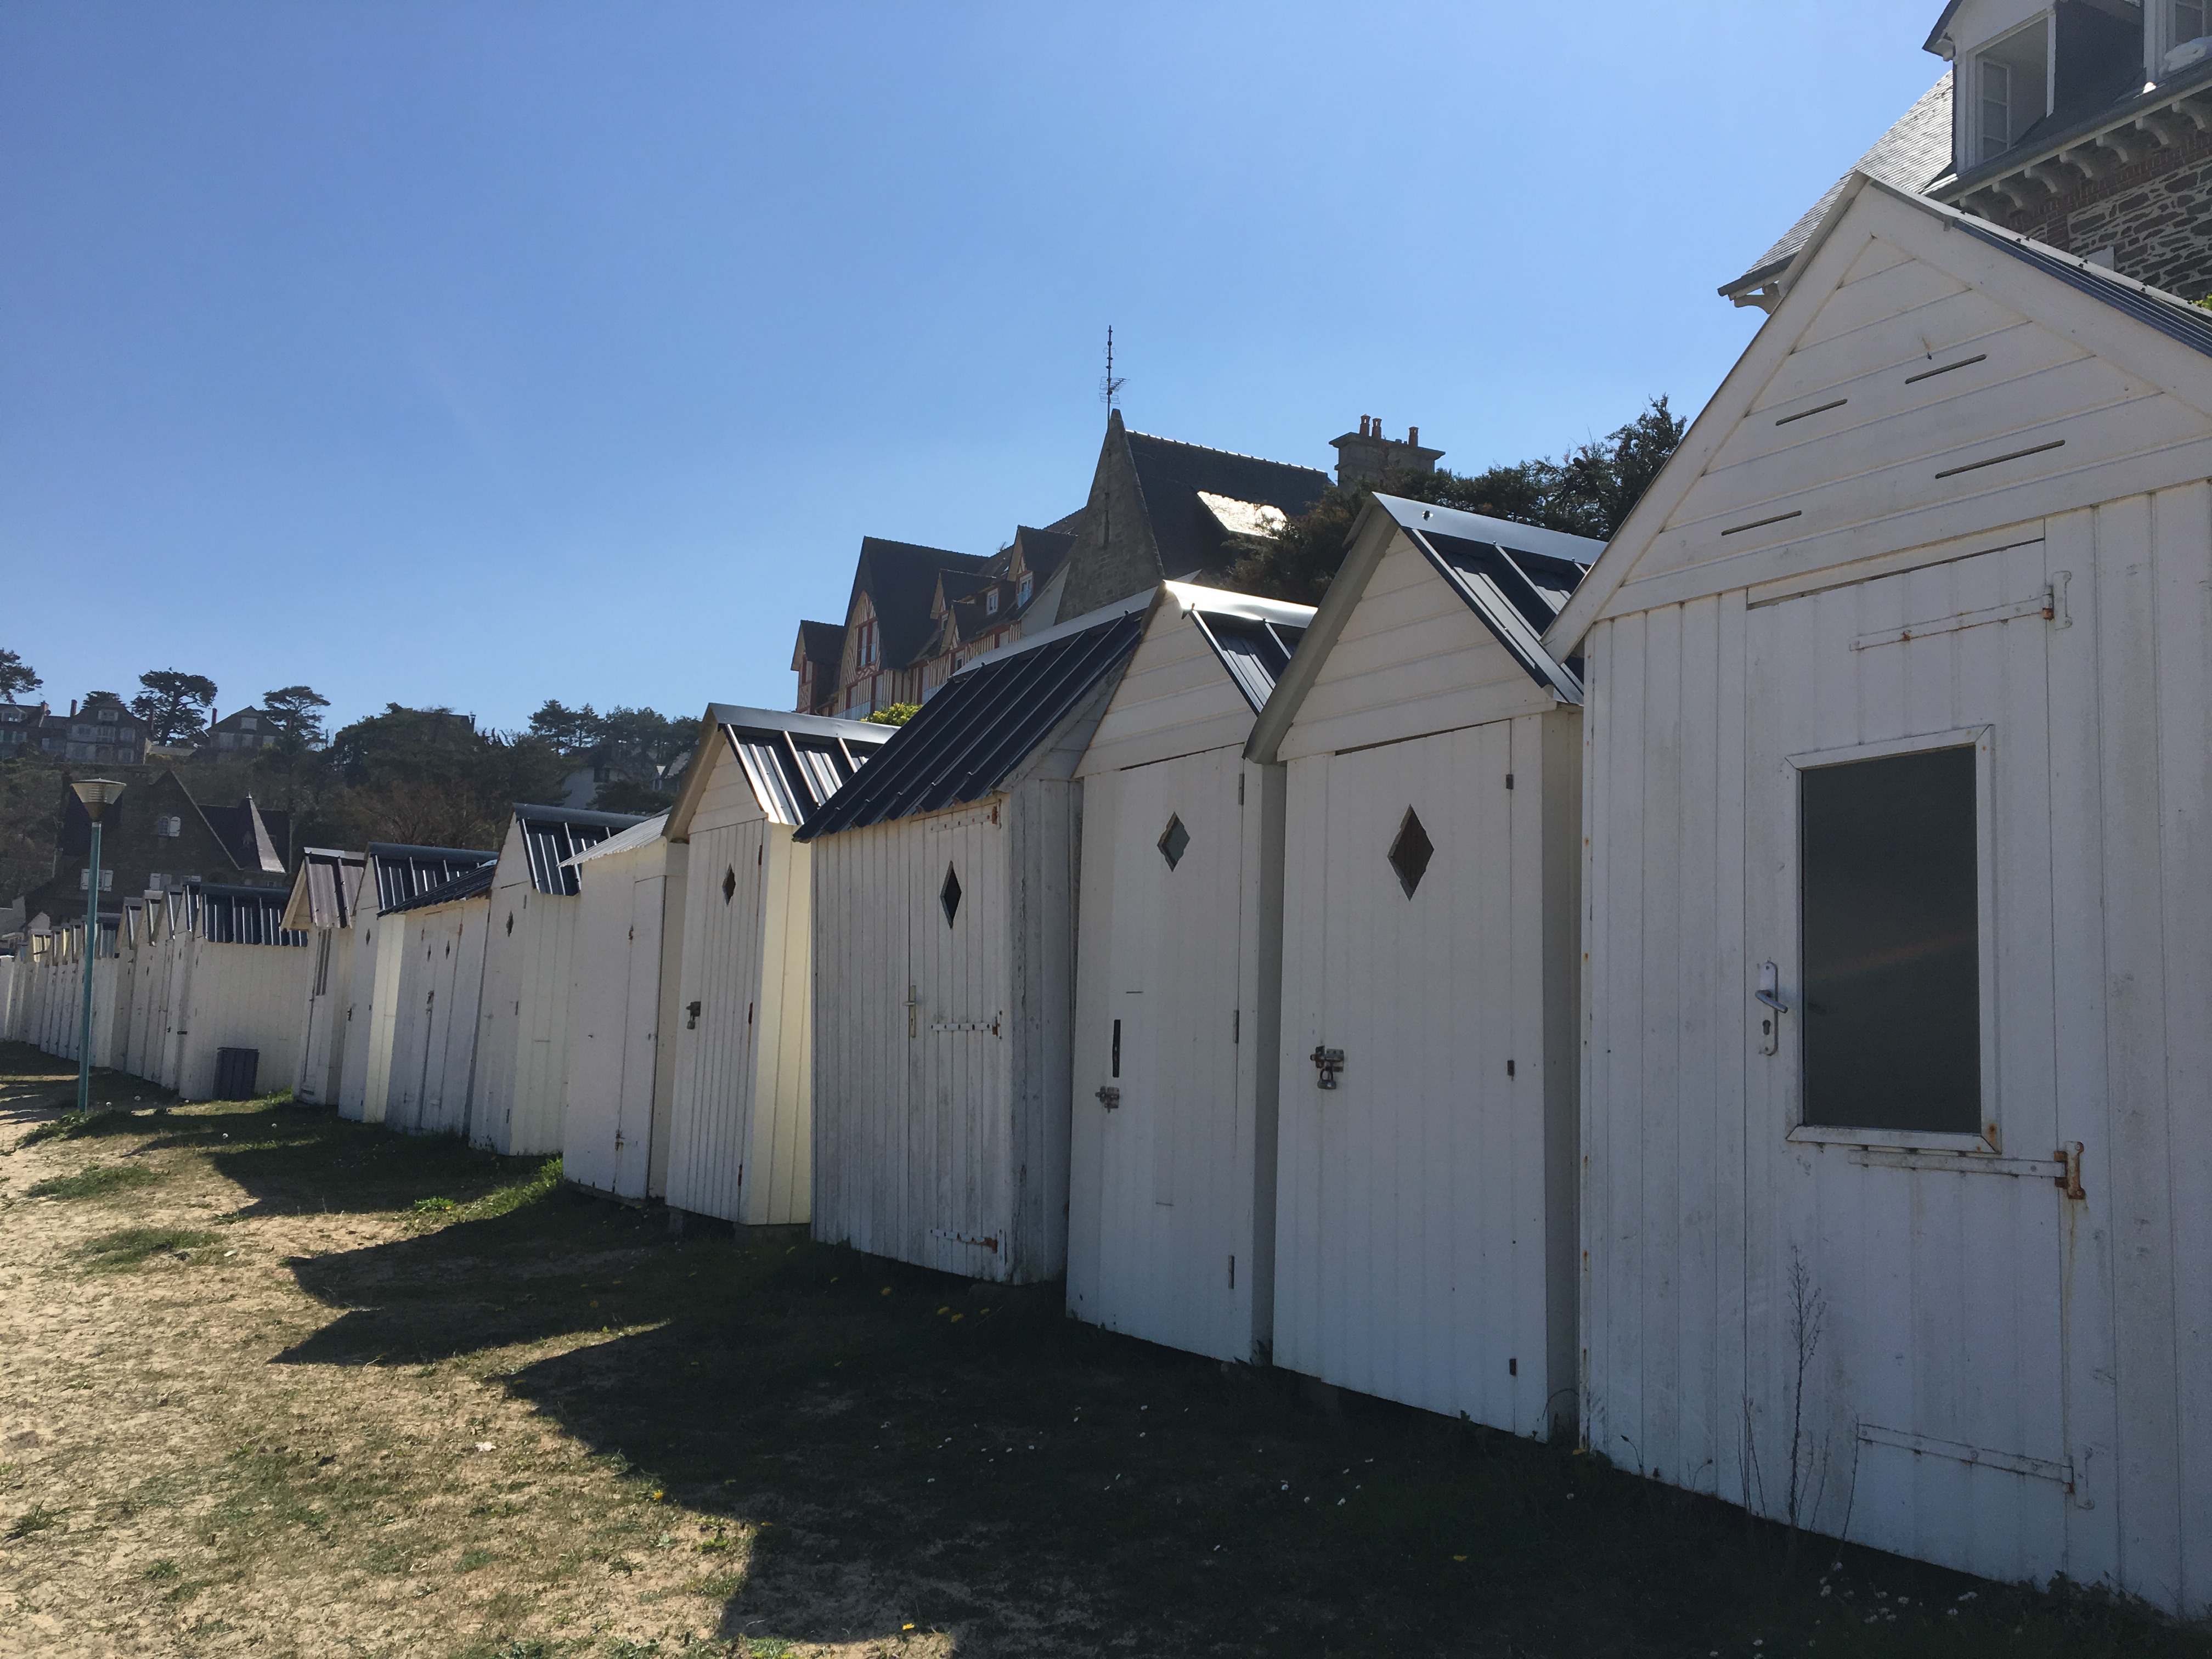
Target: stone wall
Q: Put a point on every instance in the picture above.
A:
(2155, 214)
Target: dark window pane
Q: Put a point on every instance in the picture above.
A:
(1891, 994)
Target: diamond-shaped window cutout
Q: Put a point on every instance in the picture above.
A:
(949, 895)
(1174, 840)
(729, 885)
(1410, 852)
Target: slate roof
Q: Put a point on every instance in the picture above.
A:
(1042, 550)
(1171, 474)
(900, 578)
(403, 871)
(256, 840)
(1515, 577)
(551, 836)
(467, 885)
(822, 641)
(1912, 156)
(982, 724)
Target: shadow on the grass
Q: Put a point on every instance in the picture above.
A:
(936, 1454)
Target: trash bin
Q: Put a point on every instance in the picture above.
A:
(235, 1072)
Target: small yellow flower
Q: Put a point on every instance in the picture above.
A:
(945, 1310)
(956, 1318)
(905, 1627)
(886, 1291)
(1459, 1558)
(660, 1496)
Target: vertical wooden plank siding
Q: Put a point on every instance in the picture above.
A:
(1971, 1307)
(712, 1104)
(1414, 1252)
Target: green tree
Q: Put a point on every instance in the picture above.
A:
(893, 713)
(292, 711)
(571, 730)
(428, 776)
(15, 676)
(175, 705)
(1589, 491)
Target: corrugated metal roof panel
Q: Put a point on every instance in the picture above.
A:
(551, 836)
(467, 885)
(1516, 577)
(242, 915)
(1255, 653)
(400, 871)
(981, 725)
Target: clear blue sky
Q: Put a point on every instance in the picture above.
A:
(474, 354)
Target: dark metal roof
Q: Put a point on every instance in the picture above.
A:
(1515, 577)
(1255, 653)
(553, 834)
(981, 725)
(402, 871)
(467, 885)
(243, 915)
(2179, 321)
(795, 772)
(326, 884)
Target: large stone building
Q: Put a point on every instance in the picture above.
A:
(102, 731)
(157, 838)
(2084, 124)
(1158, 510)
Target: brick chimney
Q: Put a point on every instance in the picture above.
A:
(1367, 457)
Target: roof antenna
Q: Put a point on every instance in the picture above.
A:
(1109, 388)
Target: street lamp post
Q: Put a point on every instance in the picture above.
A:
(98, 794)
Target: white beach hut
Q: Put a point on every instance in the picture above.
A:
(522, 1051)
(740, 1124)
(1899, 1179)
(1171, 1186)
(325, 889)
(439, 936)
(623, 1011)
(236, 979)
(944, 963)
(392, 874)
(1424, 1218)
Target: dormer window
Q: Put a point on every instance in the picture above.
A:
(1022, 593)
(865, 655)
(107, 714)
(248, 723)
(2012, 86)
(2189, 19)
(991, 602)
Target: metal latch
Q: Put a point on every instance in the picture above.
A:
(691, 1010)
(1109, 1098)
(1769, 994)
(2070, 1183)
(1327, 1062)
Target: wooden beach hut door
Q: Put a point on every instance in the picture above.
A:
(633, 1146)
(1172, 971)
(958, 1124)
(1410, 1253)
(1906, 1139)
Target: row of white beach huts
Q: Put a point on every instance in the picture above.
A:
(1738, 994)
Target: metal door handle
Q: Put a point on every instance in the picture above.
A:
(1769, 996)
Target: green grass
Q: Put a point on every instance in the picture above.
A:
(129, 1246)
(797, 1418)
(37, 1518)
(95, 1180)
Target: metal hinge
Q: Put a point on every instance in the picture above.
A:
(1109, 1098)
(2069, 1182)
(1327, 1062)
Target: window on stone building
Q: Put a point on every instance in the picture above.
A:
(2012, 84)
(2191, 20)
